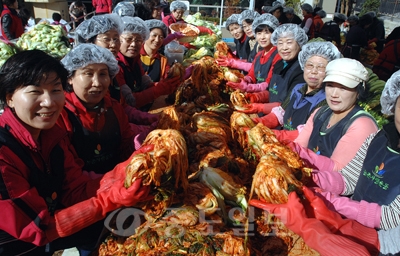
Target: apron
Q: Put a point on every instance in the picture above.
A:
(133, 78)
(261, 70)
(242, 49)
(279, 85)
(379, 180)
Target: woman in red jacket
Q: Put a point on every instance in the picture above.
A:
(11, 23)
(47, 203)
(97, 124)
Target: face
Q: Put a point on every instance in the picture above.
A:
(264, 38)
(131, 44)
(277, 13)
(289, 16)
(156, 13)
(340, 99)
(314, 71)
(155, 40)
(288, 48)
(304, 12)
(236, 31)
(38, 106)
(397, 114)
(247, 29)
(14, 5)
(91, 83)
(178, 14)
(109, 40)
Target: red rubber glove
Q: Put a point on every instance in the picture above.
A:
(73, 219)
(258, 97)
(285, 136)
(189, 46)
(351, 229)
(314, 232)
(204, 30)
(270, 120)
(253, 108)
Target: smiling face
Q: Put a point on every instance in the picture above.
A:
(91, 83)
(314, 71)
(264, 38)
(247, 29)
(236, 31)
(155, 40)
(178, 14)
(397, 114)
(340, 99)
(288, 48)
(130, 44)
(38, 106)
(109, 40)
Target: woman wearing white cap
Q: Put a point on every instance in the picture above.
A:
(291, 116)
(334, 133)
(260, 71)
(246, 20)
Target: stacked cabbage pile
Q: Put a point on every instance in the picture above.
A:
(6, 51)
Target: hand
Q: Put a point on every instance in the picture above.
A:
(178, 35)
(167, 85)
(252, 108)
(258, 97)
(126, 93)
(313, 160)
(270, 120)
(238, 86)
(224, 61)
(121, 196)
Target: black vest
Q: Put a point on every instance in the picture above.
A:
(154, 70)
(261, 70)
(115, 91)
(242, 49)
(379, 180)
(133, 78)
(99, 150)
(323, 141)
(279, 85)
(252, 54)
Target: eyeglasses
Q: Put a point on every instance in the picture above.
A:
(310, 67)
(108, 40)
(130, 40)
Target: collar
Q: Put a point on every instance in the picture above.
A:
(392, 136)
(129, 62)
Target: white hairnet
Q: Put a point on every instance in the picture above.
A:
(175, 5)
(233, 19)
(86, 54)
(390, 93)
(135, 25)
(275, 5)
(307, 7)
(321, 13)
(247, 15)
(289, 10)
(153, 23)
(124, 9)
(291, 31)
(325, 50)
(98, 24)
(267, 19)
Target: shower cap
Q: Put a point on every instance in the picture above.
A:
(267, 19)
(247, 14)
(353, 18)
(98, 24)
(325, 50)
(390, 93)
(321, 13)
(175, 5)
(275, 5)
(307, 7)
(153, 23)
(135, 25)
(233, 19)
(289, 10)
(290, 30)
(86, 54)
(124, 9)
(340, 16)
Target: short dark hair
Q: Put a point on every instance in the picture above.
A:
(56, 16)
(263, 27)
(142, 11)
(78, 3)
(29, 68)
(9, 2)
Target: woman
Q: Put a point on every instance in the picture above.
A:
(11, 23)
(331, 29)
(260, 72)
(77, 12)
(47, 203)
(357, 38)
(291, 116)
(154, 64)
(308, 21)
(131, 72)
(177, 9)
(371, 177)
(245, 20)
(286, 73)
(240, 40)
(334, 133)
(97, 125)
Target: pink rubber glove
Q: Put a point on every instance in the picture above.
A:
(269, 120)
(204, 30)
(311, 159)
(238, 86)
(258, 97)
(261, 87)
(260, 108)
(188, 72)
(171, 37)
(234, 63)
(139, 117)
(368, 214)
(331, 181)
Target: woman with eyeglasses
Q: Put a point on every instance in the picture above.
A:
(144, 90)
